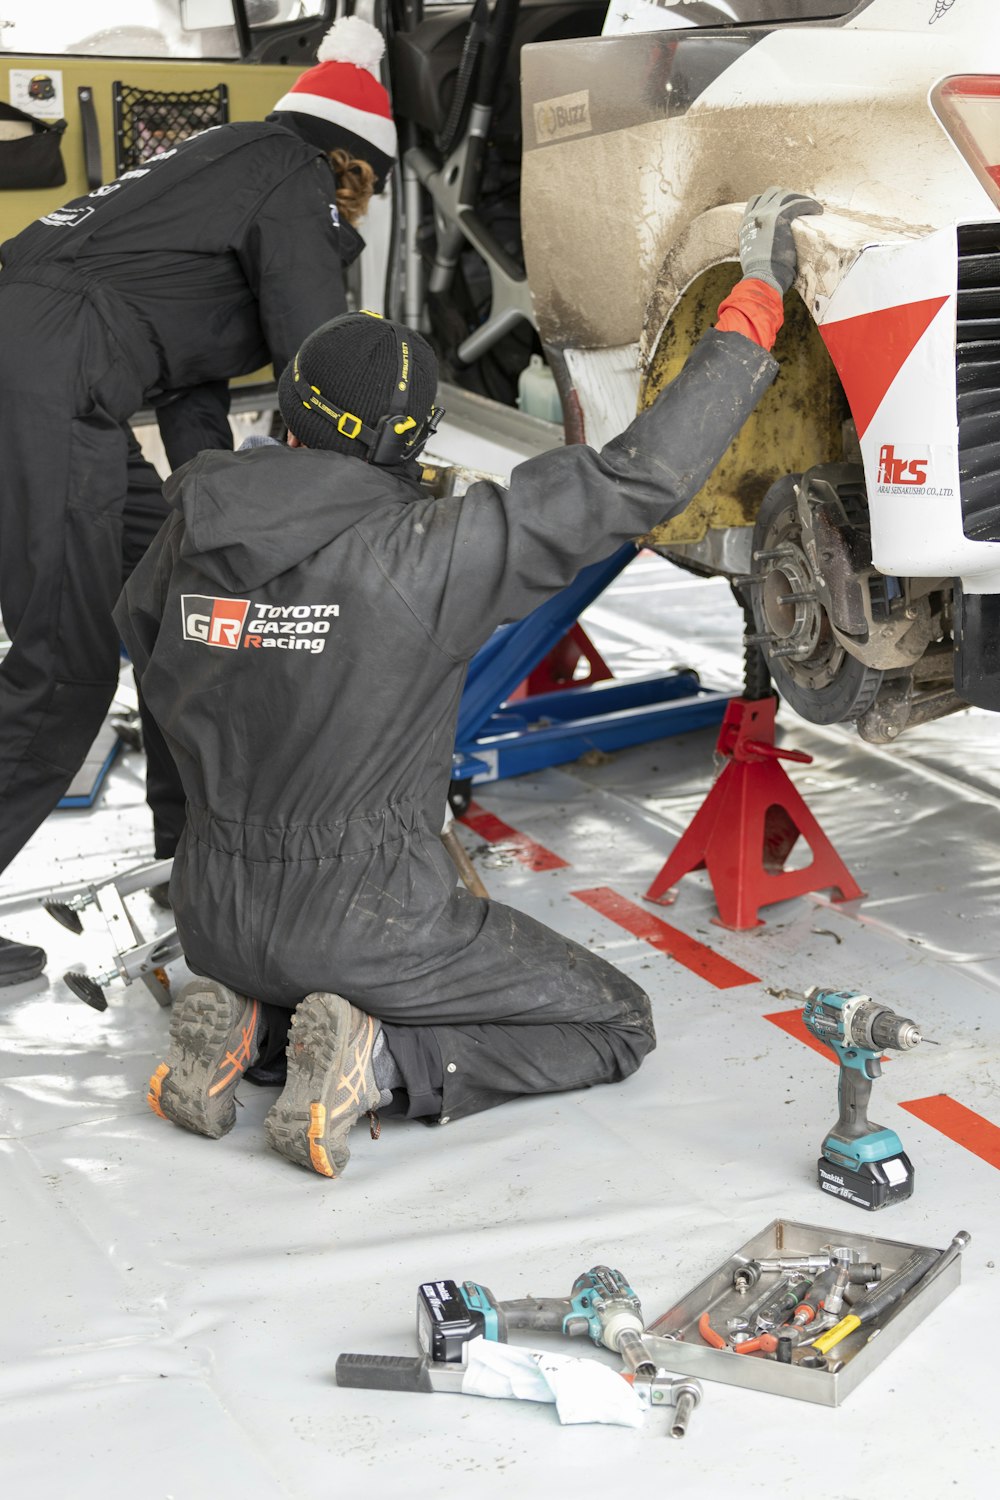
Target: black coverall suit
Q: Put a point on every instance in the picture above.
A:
(206, 263)
(302, 628)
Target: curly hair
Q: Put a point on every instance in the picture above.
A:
(355, 184)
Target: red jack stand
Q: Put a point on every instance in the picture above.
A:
(558, 669)
(748, 825)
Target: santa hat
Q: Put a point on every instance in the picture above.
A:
(340, 102)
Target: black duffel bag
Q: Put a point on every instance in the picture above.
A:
(32, 160)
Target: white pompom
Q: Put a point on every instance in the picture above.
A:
(354, 41)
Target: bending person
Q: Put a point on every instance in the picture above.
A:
(302, 628)
(202, 264)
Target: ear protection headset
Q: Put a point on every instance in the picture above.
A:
(395, 436)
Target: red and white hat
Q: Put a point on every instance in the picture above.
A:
(340, 102)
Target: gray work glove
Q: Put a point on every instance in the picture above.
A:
(767, 250)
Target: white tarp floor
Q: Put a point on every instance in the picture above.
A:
(174, 1306)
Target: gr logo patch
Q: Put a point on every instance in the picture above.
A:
(214, 622)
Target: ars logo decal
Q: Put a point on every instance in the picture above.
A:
(904, 469)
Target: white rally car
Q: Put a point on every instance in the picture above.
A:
(859, 513)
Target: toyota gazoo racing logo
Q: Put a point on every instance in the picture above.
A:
(893, 470)
(232, 623)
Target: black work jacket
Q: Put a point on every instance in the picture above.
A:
(302, 624)
(217, 257)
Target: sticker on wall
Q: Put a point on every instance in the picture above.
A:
(38, 93)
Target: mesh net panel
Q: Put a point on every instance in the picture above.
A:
(147, 123)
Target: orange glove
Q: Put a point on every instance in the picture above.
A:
(754, 309)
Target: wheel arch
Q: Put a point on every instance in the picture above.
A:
(799, 422)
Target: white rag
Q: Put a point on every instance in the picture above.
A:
(583, 1390)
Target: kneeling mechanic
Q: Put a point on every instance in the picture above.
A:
(302, 627)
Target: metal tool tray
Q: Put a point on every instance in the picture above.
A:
(686, 1353)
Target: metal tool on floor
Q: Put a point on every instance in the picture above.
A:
(748, 1275)
(601, 1306)
(135, 955)
(748, 825)
(862, 1163)
(662, 1389)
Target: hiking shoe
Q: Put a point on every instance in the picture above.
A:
(19, 962)
(214, 1038)
(331, 1081)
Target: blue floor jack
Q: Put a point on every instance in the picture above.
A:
(496, 739)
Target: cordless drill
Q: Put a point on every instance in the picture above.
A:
(861, 1162)
(601, 1305)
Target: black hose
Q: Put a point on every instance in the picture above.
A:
(471, 48)
(496, 50)
(896, 1287)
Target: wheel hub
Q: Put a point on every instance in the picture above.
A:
(793, 616)
(790, 601)
(810, 668)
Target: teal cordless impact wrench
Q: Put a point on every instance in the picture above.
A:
(601, 1306)
(861, 1162)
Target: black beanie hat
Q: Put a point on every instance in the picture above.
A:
(353, 362)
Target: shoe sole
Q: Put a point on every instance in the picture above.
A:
(22, 976)
(299, 1125)
(182, 1090)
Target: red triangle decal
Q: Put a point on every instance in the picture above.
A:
(868, 351)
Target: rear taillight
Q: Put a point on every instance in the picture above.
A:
(968, 107)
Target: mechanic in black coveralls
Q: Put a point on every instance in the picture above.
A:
(202, 264)
(301, 628)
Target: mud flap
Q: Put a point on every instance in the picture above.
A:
(977, 656)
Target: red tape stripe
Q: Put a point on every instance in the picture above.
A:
(954, 1120)
(791, 1021)
(961, 1125)
(660, 935)
(494, 831)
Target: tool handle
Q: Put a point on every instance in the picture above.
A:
(760, 748)
(891, 1292)
(853, 1093)
(536, 1312)
(384, 1372)
(937, 1265)
(819, 1289)
(895, 1287)
(685, 1405)
(709, 1334)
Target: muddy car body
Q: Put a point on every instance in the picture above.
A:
(859, 513)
